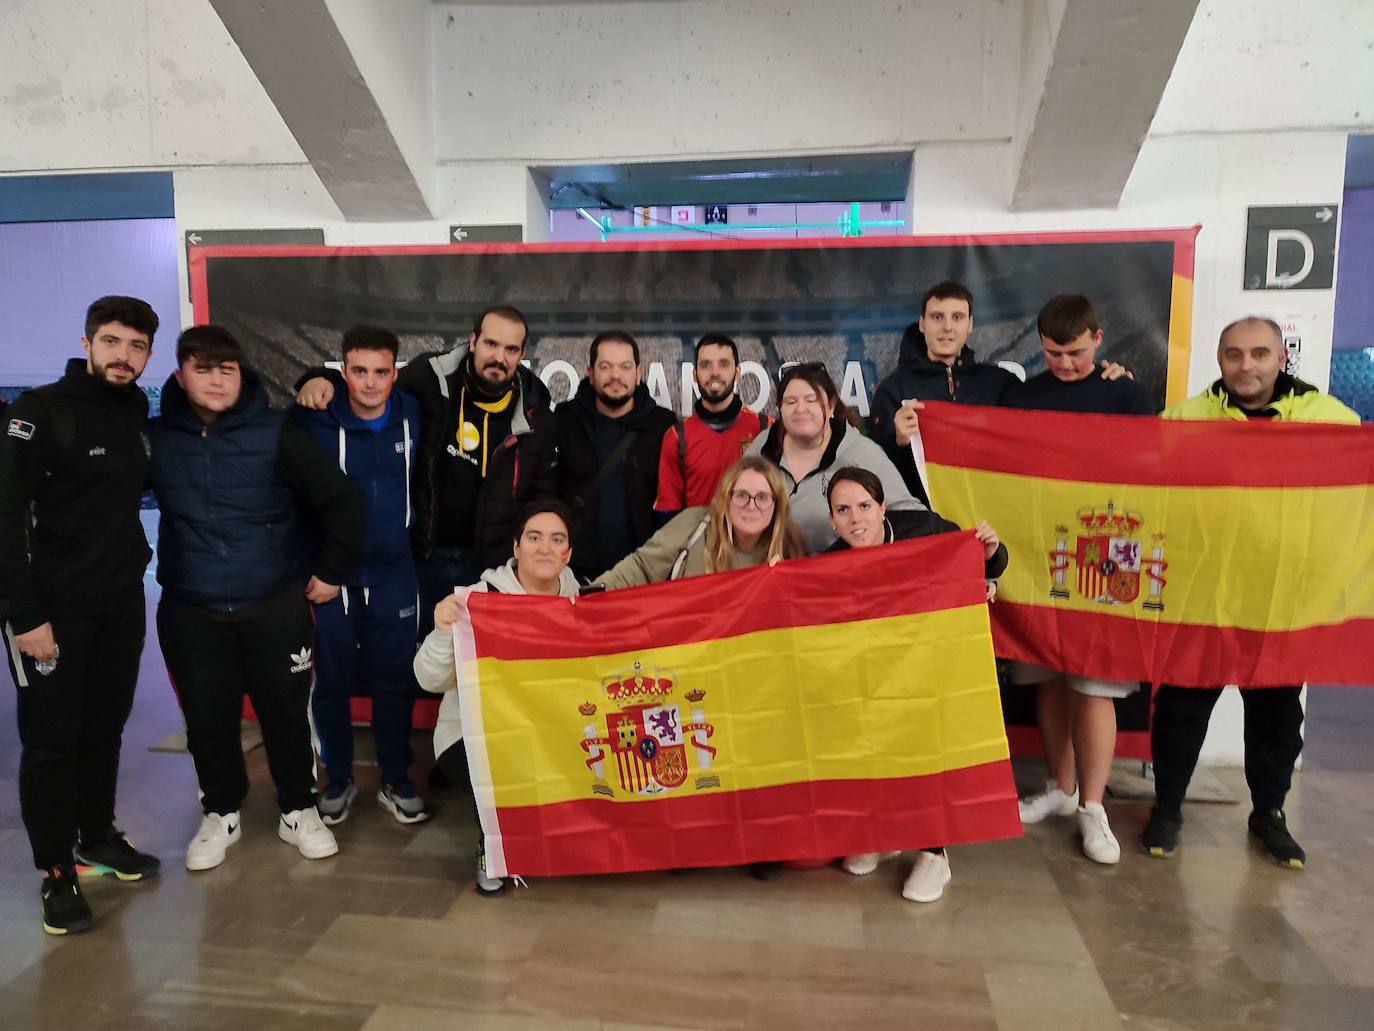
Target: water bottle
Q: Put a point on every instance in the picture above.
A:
(46, 666)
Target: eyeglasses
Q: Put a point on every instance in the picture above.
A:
(763, 501)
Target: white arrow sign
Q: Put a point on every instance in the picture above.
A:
(193, 238)
(1324, 215)
(459, 233)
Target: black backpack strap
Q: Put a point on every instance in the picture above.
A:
(682, 456)
(615, 458)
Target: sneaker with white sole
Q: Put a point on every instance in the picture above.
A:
(337, 800)
(304, 829)
(484, 882)
(1099, 843)
(865, 863)
(403, 802)
(217, 832)
(927, 880)
(1050, 802)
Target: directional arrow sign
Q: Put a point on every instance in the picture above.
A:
(251, 237)
(501, 233)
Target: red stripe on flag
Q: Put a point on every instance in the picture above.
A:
(812, 820)
(1120, 648)
(869, 583)
(1146, 450)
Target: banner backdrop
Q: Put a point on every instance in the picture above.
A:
(843, 302)
(1189, 553)
(816, 709)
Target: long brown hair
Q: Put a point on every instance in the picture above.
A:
(784, 539)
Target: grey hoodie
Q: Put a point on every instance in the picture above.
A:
(436, 667)
(809, 506)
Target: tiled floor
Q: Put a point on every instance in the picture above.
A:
(389, 935)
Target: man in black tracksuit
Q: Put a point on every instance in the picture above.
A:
(230, 475)
(486, 449)
(609, 436)
(935, 364)
(73, 459)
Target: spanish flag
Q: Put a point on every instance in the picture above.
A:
(825, 706)
(1190, 553)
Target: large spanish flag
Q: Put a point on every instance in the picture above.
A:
(1191, 553)
(826, 706)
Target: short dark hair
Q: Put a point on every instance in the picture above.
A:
(369, 338)
(614, 336)
(715, 340)
(538, 507)
(869, 481)
(129, 311)
(815, 375)
(502, 311)
(1066, 317)
(944, 290)
(211, 345)
(1253, 320)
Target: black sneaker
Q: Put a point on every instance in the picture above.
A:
(65, 910)
(116, 858)
(765, 871)
(1271, 829)
(1160, 837)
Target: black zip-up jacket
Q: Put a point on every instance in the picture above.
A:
(73, 459)
(904, 524)
(917, 378)
(519, 470)
(579, 465)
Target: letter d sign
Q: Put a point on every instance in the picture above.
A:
(1291, 248)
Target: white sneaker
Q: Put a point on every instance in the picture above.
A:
(304, 829)
(927, 880)
(1050, 802)
(1099, 843)
(206, 850)
(865, 863)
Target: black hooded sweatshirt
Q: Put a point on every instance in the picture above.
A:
(917, 378)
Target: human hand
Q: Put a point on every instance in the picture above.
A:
(38, 643)
(446, 612)
(988, 536)
(1115, 370)
(315, 393)
(319, 592)
(904, 422)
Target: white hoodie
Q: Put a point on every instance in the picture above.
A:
(436, 667)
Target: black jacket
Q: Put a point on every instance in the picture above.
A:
(917, 378)
(903, 525)
(229, 494)
(579, 465)
(520, 470)
(73, 459)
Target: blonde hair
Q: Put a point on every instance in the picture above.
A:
(784, 539)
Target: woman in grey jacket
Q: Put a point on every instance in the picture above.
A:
(813, 436)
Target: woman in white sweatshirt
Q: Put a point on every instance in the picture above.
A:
(538, 565)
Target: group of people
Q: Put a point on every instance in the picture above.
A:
(301, 552)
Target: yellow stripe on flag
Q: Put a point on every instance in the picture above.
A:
(894, 697)
(1202, 541)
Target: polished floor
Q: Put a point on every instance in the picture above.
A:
(389, 935)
